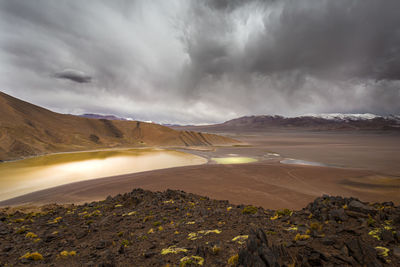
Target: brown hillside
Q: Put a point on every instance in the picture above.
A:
(27, 130)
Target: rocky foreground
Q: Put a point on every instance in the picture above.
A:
(174, 228)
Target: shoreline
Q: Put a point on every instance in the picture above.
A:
(270, 185)
(20, 178)
(97, 150)
(351, 167)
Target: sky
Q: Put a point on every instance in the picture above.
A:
(194, 62)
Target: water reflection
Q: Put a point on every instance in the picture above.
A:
(233, 160)
(25, 176)
(302, 162)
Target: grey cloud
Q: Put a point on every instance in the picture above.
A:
(348, 38)
(333, 38)
(194, 61)
(73, 75)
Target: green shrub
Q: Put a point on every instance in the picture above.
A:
(316, 226)
(234, 260)
(284, 212)
(148, 218)
(215, 250)
(250, 210)
(125, 243)
(36, 256)
(371, 221)
(301, 237)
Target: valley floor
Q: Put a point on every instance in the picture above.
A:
(363, 165)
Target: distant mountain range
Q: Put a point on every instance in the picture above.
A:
(317, 122)
(28, 130)
(352, 117)
(105, 117)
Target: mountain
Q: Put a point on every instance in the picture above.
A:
(317, 122)
(98, 116)
(352, 117)
(27, 129)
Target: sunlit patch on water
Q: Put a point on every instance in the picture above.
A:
(25, 176)
(302, 162)
(234, 160)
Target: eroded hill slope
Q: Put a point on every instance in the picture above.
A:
(27, 130)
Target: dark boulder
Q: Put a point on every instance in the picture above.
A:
(387, 236)
(364, 254)
(338, 215)
(259, 253)
(356, 205)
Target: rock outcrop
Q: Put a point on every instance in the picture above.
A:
(174, 228)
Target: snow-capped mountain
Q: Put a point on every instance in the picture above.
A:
(343, 116)
(352, 116)
(331, 121)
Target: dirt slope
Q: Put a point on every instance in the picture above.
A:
(27, 130)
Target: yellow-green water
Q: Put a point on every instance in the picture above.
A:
(29, 175)
(233, 160)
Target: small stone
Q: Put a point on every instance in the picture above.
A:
(397, 236)
(7, 249)
(327, 241)
(338, 215)
(356, 214)
(103, 244)
(387, 236)
(81, 234)
(301, 243)
(24, 261)
(4, 230)
(49, 238)
(289, 244)
(344, 251)
(396, 219)
(149, 254)
(396, 251)
(314, 259)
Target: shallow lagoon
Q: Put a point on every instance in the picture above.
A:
(234, 160)
(33, 174)
(302, 162)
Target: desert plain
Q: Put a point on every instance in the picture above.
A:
(362, 164)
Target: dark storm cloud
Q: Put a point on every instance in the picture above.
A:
(203, 61)
(346, 38)
(349, 38)
(73, 75)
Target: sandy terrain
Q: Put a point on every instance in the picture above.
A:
(269, 185)
(371, 174)
(377, 151)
